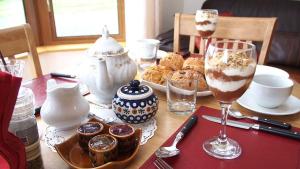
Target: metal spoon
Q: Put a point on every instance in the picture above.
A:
(239, 115)
(171, 151)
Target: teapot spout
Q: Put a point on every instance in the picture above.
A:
(104, 82)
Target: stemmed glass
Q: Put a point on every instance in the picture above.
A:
(229, 69)
(206, 21)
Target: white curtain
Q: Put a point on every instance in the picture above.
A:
(142, 19)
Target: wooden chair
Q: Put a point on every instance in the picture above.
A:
(234, 28)
(17, 40)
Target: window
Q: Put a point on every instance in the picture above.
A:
(65, 21)
(79, 18)
(11, 13)
(71, 21)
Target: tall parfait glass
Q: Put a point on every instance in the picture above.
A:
(206, 21)
(229, 69)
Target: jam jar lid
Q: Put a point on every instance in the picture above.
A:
(105, 45)
(134, 91)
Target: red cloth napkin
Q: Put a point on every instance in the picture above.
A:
(11, 147)
(259, 150)
(3, 163)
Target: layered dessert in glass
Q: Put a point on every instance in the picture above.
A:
(229, 69)
(206, 21)
(229, 74)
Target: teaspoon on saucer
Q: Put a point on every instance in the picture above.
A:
(239, 115)
(164, 152)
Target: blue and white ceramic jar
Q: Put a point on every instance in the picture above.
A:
(135, 103)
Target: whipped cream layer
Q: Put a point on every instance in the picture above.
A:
(224, 86)
(233, 85)
(243, 72)
(208, 27)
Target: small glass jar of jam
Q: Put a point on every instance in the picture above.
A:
(103, 149)
(125, 136)
(87, 131)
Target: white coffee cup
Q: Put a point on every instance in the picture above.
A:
(271, 91)
(147, 48)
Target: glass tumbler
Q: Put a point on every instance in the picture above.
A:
(181, 95)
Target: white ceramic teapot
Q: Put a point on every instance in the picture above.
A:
(107, 68)
(64, 106)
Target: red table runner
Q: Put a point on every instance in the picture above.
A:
(260, 150)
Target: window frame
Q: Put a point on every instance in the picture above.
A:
(39, 15)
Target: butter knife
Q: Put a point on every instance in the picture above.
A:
(244, 125)
(62, 75)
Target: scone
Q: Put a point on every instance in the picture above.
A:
(166, 73)
(173, 61)
(153, 74)
(157, 74)
(194, 63)
(183, 76)
(202, 85)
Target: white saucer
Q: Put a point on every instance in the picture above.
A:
(262, 69)
(291, 106)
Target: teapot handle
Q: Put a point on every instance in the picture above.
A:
(51, 83)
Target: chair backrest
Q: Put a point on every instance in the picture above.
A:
(17, 40)
(248, 29)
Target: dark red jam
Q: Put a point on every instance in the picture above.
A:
(89, 128)
(121, 130)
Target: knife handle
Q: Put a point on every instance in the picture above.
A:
(275, 123)
(282, 132)
(187, 127)
(61, 75)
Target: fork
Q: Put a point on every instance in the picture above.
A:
(161, 164)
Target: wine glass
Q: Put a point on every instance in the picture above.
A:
(229, 69)
(206, 21)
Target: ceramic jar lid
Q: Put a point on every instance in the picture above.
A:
(134, 91)
(105, 45)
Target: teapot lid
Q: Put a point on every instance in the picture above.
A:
(106, 45)
(134, 91)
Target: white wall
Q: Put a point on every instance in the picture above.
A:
(190, 6)
(169, 7)
(148, 18)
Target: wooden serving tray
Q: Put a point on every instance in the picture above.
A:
(72, 154)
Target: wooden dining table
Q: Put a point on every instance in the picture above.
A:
(167, 124)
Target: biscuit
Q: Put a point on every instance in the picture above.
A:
(166, 73)
(173, 61)
(152, 74)
(202, 85)
(194, 63)
(182, 77)
(157, 74)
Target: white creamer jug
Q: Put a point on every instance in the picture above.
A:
(64, 106)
